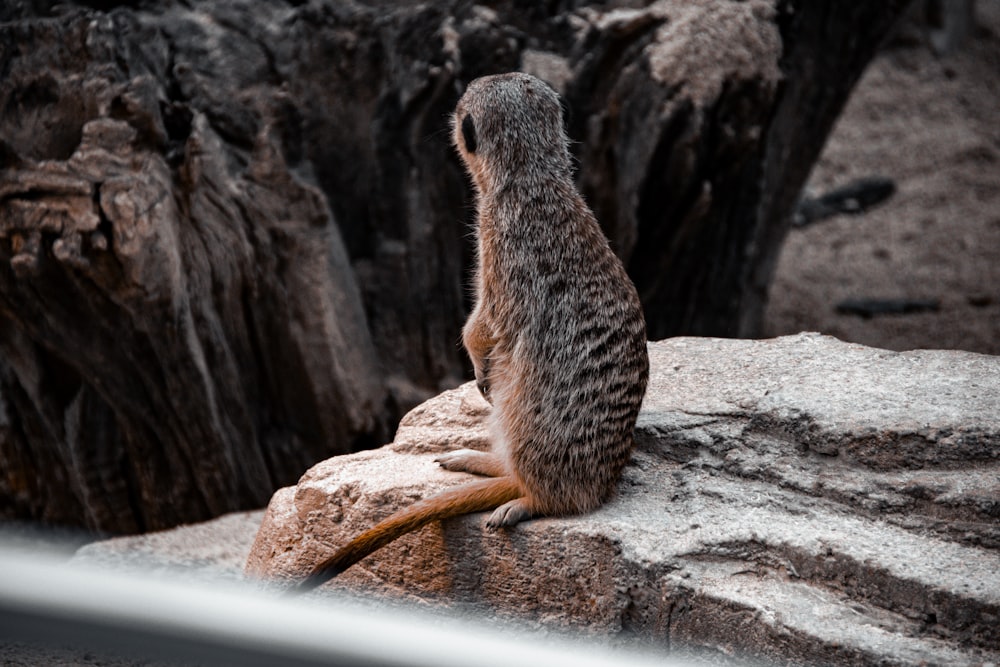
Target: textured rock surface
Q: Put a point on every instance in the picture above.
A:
(799, 499)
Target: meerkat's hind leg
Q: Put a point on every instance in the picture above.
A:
(510, 514)
(474, 461)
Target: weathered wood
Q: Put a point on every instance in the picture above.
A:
(234, 237)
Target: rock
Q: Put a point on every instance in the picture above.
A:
(798, 499)
(868, 308)
(211, 551)
(854, 198)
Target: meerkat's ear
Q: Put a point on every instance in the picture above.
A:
(469, 133)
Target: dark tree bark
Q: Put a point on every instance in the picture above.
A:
(234, 239)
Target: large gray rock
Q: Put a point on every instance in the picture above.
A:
(800, 499)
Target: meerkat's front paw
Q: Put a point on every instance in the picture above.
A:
(456, 461)
(474, 461)
(483, 384)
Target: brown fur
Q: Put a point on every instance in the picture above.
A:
(557, 337)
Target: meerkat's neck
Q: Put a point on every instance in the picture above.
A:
(523, 203)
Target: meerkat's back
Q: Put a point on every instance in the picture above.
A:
(566, 362)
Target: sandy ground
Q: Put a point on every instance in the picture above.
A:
(933, 126)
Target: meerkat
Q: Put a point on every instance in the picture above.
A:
(557, 336)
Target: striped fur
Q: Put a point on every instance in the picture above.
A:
(557, 336)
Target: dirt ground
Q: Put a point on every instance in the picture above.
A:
(932, 124)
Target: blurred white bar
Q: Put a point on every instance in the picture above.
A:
(44, 599)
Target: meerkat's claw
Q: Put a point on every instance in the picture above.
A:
(482, 373)
(508, 514)
(483, 384)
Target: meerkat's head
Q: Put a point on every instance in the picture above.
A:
(509, 126)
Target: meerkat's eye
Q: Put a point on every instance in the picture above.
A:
(469, 134)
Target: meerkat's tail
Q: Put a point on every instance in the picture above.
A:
(479, 496)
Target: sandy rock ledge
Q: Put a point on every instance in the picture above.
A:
(799, 499)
